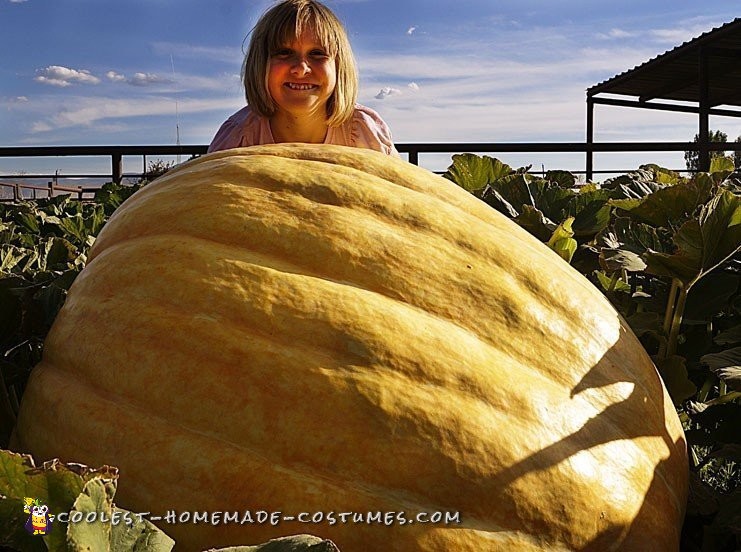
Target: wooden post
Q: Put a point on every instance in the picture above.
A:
(590, 138)
(704, 139)
(116, 167)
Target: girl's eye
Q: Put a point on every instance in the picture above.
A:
(282, 52)
(319, 54)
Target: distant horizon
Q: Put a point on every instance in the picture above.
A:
(453, 72)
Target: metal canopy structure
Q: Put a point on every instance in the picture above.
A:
(706, 72)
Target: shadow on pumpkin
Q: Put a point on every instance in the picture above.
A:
(657, 524)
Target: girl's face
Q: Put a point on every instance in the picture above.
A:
(302, 76)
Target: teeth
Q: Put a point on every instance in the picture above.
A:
(300, 86)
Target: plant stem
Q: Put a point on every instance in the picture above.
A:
(728, 397)
(668, 316)
(707, 386)
(613, 281)
(676, 321)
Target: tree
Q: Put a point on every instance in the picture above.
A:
(692, 157)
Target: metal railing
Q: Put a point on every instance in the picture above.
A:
(412, 150)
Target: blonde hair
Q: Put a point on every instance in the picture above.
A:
(280, 25)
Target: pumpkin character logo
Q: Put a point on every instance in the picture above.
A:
(39, 522)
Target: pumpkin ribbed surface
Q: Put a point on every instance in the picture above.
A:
(311, 329)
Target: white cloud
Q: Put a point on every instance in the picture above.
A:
(17, 1)
(88, 111)
(147, 79)
(387, 91)
(115, 77)
(19, 99)
(225, 54)
(616, 33)
(56, 75)
(410, 30)
(413, 86)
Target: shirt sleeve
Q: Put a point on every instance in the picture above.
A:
(370, 131)
(231, 133)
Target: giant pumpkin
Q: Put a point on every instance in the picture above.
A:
(313, 329)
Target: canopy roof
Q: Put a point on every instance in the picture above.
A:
(677, 74)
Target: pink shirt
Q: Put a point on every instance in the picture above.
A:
(365, 129)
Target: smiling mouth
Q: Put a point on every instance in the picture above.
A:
(296, 86)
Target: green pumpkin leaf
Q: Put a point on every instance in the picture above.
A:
(710, 295)
(564, 179)
(729, 337)
(726, 365)
(674, 374)
(295, 543)
(702, 243)
(96, 499)
(610, 283)
(535, 222)
(634, 185)
(127, 533)
(473, 172)
(621, 259)
(721, 163)
(53, 484)
(669, 205)
(645, 323)
(562, 241)
(591, 212)
(662, 175)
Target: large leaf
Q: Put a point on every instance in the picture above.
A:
(129, 533)
(702, 243)
(731, 336)
(535, 222)
(562, 241)
(565, 179)
(591, 211)
(67, 488)
(55, 484)
(722, 163)
(670, 205)
(624, 242)
(633, 185)
(295, 543)
(473, 172)
(662, 175)
(711, 295)
(726, 365)
(674, 374)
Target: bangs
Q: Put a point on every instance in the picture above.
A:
(293, 23)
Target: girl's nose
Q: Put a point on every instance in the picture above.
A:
(301, 66)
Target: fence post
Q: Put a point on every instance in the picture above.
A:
(50, 185)
(116, 167)
(590, 138)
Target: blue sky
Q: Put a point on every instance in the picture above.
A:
(98, 72)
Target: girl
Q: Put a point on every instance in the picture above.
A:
(301, 85)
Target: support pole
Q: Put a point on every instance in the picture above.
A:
(704, 139)
(590, 138)
(116, 167)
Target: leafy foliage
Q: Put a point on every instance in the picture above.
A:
(43, 246)
(666, 251)
(69, 488)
